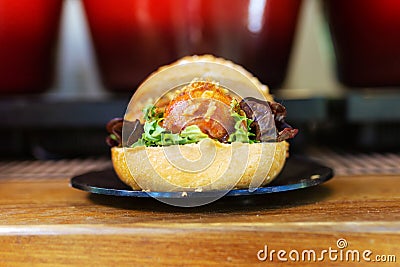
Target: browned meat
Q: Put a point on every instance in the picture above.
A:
(204, 105)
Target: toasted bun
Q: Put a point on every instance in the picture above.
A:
(175, 168)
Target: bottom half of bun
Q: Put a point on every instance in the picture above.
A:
(205, 166)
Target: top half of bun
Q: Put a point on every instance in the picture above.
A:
(185, 70)
(210, 58)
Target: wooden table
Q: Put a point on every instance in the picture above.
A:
(45, 222)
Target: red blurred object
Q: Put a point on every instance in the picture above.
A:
(134, 37)
(366, 38)
(28, 35)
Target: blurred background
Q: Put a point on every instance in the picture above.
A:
(69, 66)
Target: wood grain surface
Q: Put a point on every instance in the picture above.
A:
(48, 223)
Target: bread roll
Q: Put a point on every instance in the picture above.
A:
(219, 166)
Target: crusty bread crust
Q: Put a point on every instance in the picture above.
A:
(208, 165)
(121, 167)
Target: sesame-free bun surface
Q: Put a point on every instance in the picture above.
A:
(208, 165)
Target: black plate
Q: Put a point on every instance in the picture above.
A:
(298, 173)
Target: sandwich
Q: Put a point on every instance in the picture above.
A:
(200, 124)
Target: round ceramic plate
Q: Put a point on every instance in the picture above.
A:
(298, 173)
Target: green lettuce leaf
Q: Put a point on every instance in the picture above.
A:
(156, 135)
(242, 126)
